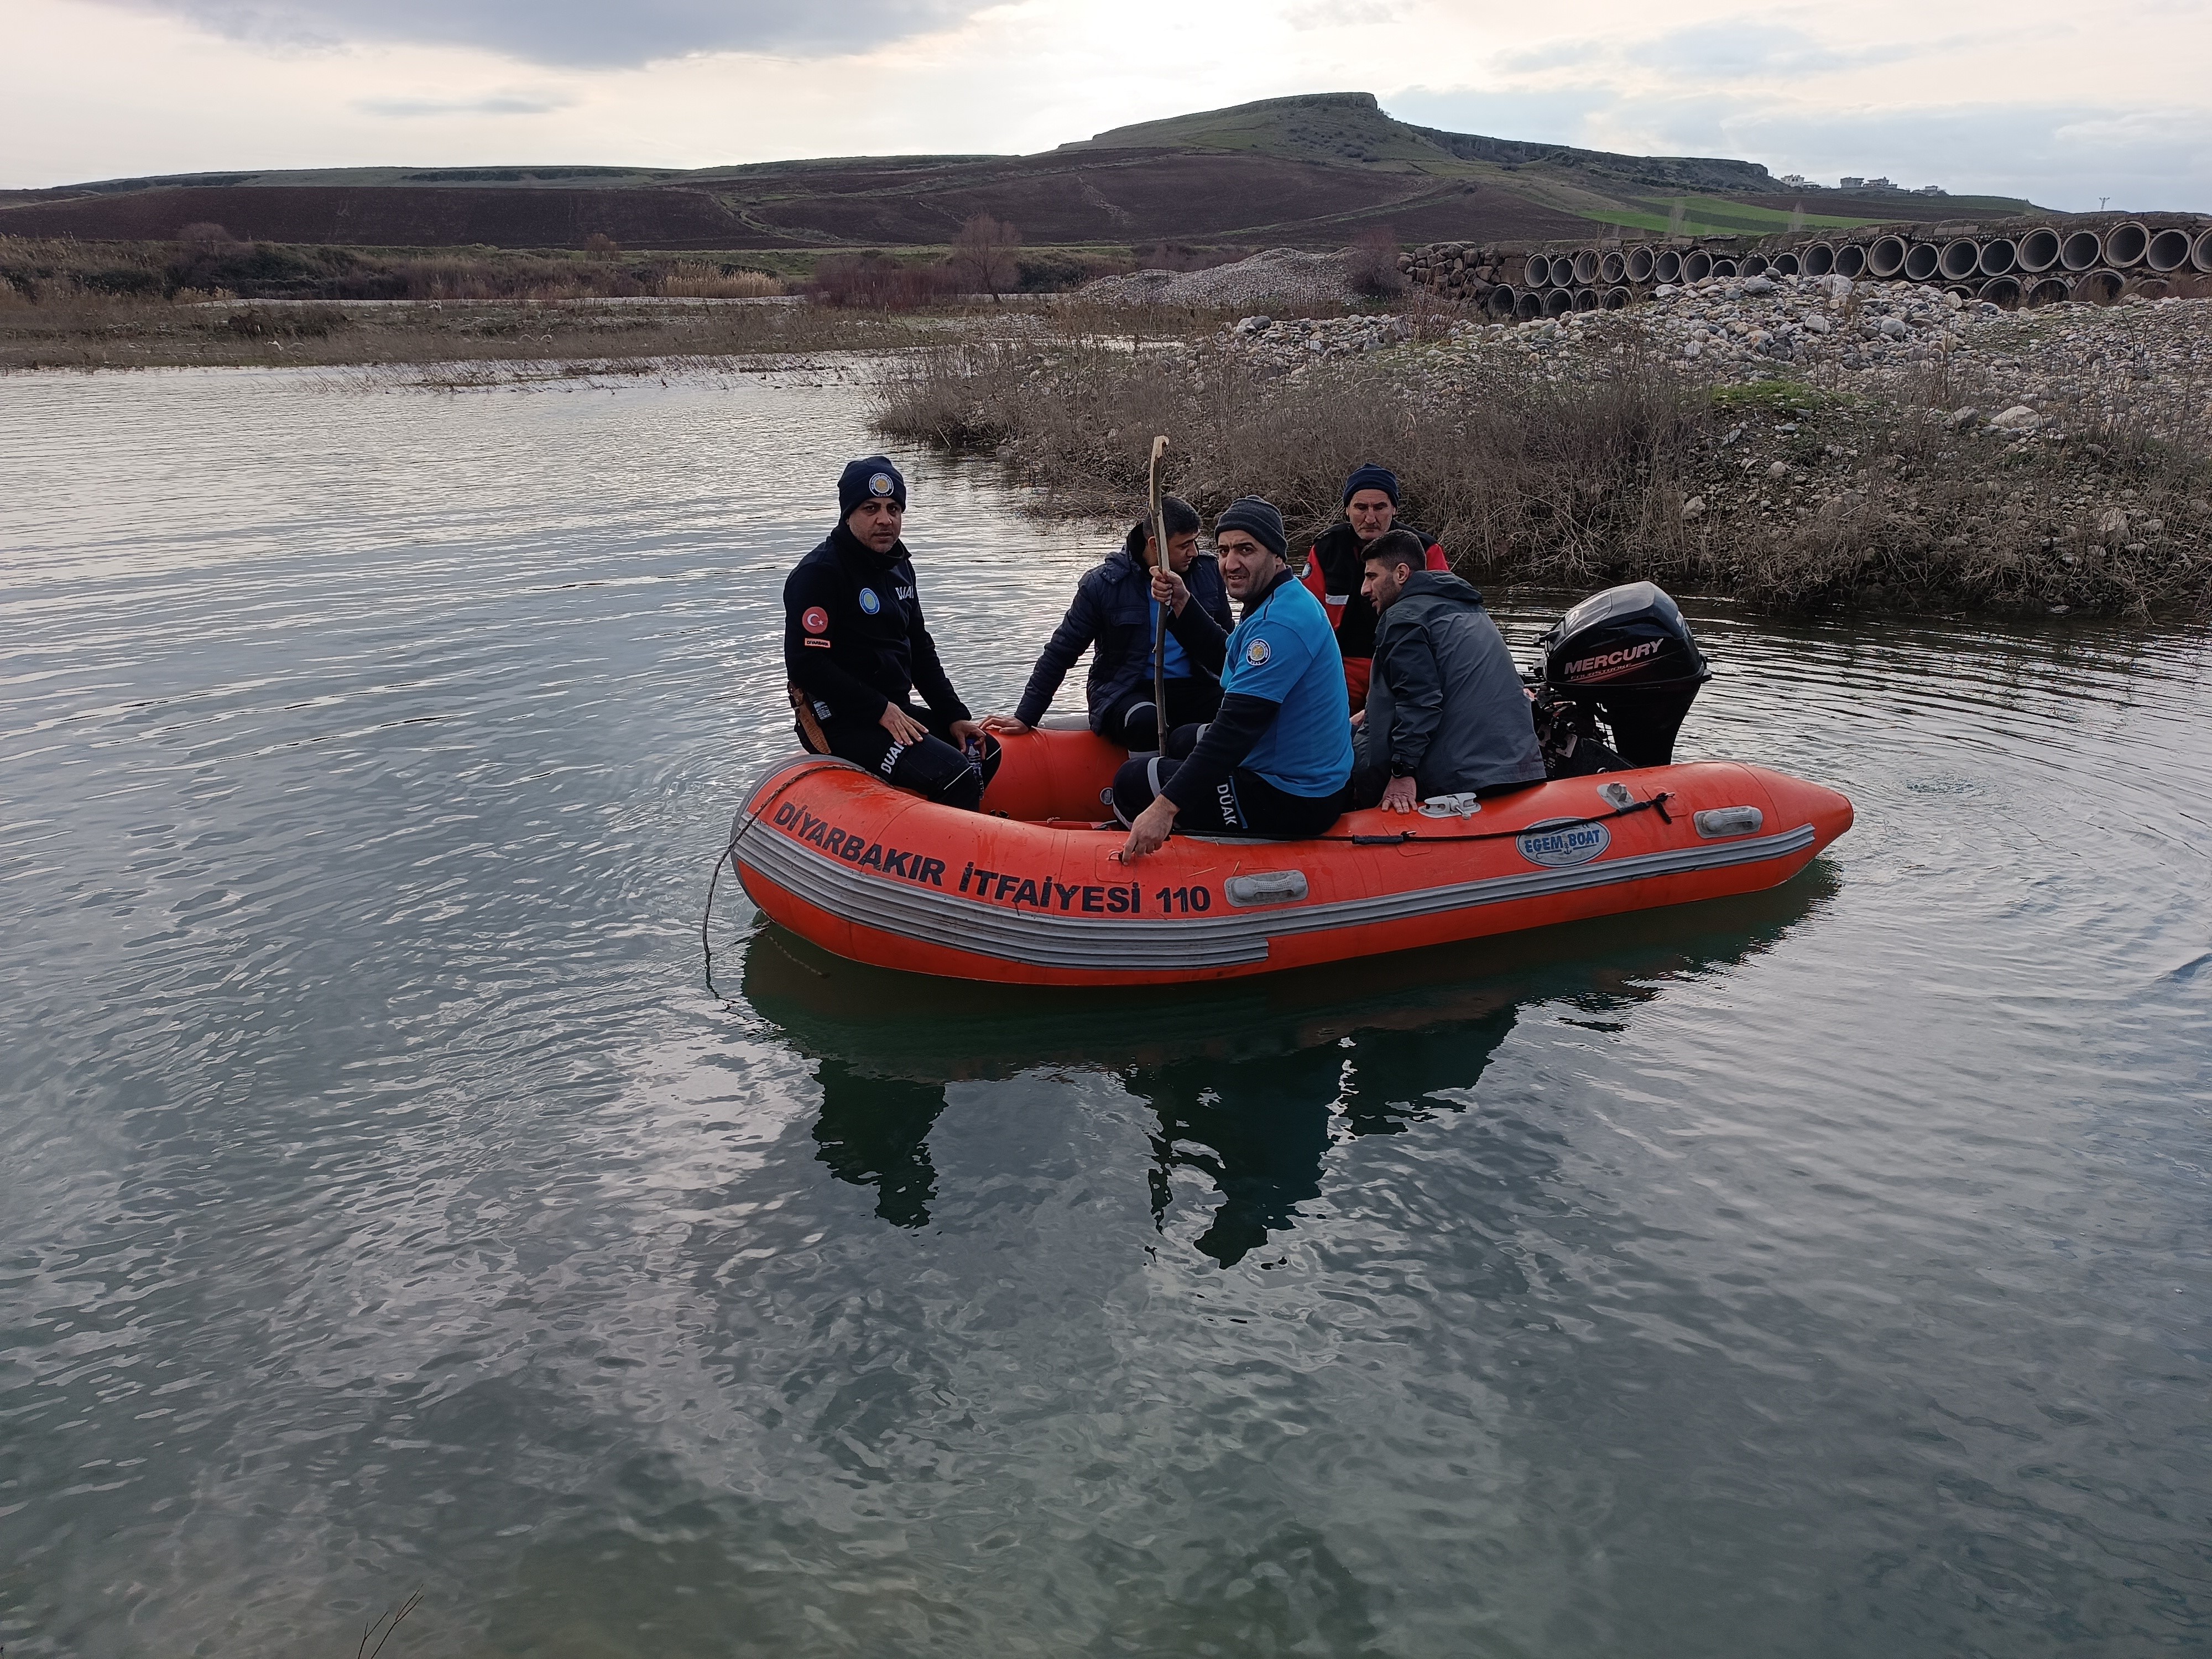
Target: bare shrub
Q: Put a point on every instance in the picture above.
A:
(873, 283)
(204, 235)
(983, 255)
(1372, 265)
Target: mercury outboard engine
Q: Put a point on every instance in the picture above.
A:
(1625, 653)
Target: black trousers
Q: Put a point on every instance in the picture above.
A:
(1245, 804)
(935, 768)
(1134, 723)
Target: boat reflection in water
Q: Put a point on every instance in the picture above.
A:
(1252, 1081)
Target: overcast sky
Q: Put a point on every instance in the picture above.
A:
(2056, 100)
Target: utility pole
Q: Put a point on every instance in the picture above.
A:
(2101, 200)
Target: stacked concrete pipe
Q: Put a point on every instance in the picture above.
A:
(1618, 298)
(2169, 250)
(1999, 255)
(2125, 246)
(1961, 257)
(1850, 261)
(1923, 262)
(2080, 250)
(1612, 268)
(2049, 291)
(1816, 258)
(1640, 262)
(1667, 267)
(1559, 302)
(1787, 263)
(1885, 257)
(1586, 265)
(2037, 251)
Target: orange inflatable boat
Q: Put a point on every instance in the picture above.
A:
(1031, 890)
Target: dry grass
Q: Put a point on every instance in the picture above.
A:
(1578, 483)
(90, 331)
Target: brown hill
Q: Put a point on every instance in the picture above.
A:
(1310, 172)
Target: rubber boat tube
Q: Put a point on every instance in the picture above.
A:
(876, 875)
(1922, 261)
(1885, 257)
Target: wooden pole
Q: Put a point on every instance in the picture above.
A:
(1160, 626)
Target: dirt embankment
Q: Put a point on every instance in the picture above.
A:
(1908, 456)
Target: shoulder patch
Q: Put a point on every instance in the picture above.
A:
(816, 621)
(1256, 653)
(869, 602)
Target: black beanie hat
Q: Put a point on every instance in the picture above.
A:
(1368, 476)
(1182, 517)
(872, 478)
(1258, 520)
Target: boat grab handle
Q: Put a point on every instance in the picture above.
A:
(1267, 887)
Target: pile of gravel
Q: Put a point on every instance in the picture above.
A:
(1280, 274)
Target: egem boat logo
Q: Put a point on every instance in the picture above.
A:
(1563, 841)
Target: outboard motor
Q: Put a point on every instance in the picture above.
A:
(1627, 654)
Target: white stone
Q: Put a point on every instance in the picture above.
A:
(2019, 418)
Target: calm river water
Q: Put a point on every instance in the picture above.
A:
(385, 1204)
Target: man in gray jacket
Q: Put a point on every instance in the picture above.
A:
(1446, 714)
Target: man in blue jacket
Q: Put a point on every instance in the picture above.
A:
(1113, 618)
(1276, 760)
(856, 650)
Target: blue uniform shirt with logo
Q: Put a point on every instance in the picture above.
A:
(1285, 652)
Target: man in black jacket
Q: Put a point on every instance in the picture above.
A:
(1446, 711)
(855, 648)
(1113, 618)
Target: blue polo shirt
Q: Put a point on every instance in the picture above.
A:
(1285, 652)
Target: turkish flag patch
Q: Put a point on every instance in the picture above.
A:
(816, 621)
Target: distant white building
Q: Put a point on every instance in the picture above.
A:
(1929, 190)
(1850, 182)
(1880, 184)
(1797, 180)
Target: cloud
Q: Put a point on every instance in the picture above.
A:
(417, 108)
(1737, 49)
(576, 34)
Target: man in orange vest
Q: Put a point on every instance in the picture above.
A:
(1337, 564)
